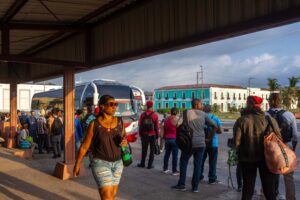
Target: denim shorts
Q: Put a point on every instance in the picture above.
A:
(107, 173)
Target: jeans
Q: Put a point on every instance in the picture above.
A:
(197, 153)
(239, 176)
(42, 142)
(249, 170)
(290, 192)
(55, 139)
(77, 145)
(146, 141)
(171, 146)
(212, 153)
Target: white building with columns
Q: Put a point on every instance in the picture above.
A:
(25, 94)
(236, 96)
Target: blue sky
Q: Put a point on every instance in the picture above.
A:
(273, 53)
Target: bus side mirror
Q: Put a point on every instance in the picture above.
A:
(95, 99)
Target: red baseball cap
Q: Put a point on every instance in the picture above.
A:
(149, 104)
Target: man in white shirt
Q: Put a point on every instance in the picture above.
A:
(288, 127)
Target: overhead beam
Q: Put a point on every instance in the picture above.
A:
(34, 60)
(13, 10)
(81, 21)
(42, 27)
(5, 40)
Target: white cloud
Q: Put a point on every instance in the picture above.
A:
(296, 61)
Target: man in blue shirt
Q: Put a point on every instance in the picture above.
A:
(211, 148)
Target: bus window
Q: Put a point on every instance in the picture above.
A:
(88, 96)
(78, 93)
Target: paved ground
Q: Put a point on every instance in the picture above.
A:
(22, 179)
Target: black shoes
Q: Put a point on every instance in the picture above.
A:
(141, 166)
(150, 167)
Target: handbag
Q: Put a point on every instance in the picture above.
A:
(156, 148)
(184, 135)
(280, 159)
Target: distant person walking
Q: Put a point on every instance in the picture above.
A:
(32, 126)
(78, 133)
(170, 125)
(196, 120)
(42, 132)
(211, 148)
(248, 132)
(56, 128)
(106, 134)
(289, 133)
(149, 132)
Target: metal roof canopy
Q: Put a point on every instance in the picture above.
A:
(40, 37)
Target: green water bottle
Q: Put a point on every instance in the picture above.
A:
(126, 156)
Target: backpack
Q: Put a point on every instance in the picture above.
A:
(184, 135)
(148, 122)
(41, 129)
(286, 128)
(209, 134)
(23, 120)
(57, 126)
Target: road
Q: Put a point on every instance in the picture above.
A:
(222, 167)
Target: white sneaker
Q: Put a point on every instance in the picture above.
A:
(280, 197)
(166, 171)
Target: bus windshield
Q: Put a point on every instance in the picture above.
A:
(124, 109)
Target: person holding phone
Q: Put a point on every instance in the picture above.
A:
(107, 135)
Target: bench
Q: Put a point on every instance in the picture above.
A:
(23, 153)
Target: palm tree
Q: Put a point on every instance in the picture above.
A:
(289, 93)
(273, 84)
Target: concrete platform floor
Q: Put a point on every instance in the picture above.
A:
(22, 179)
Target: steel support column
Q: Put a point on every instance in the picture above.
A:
(13, 116)
(63, 170)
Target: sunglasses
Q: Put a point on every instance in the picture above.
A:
(111, 104)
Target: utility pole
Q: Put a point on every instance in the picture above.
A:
(201, 73)
(249, 85)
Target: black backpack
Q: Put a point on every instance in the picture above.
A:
(57, 126)
(286, 128)
(184, 135)
(209, 134)
(148, 122)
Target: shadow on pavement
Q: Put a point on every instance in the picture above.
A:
(25, 187)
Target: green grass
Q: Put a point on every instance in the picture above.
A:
(232, 116)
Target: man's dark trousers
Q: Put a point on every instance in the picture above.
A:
(249, 170)
(197, 153)
(146, 141)
(212, 153)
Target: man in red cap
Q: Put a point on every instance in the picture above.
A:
(248, 133)
(149, 132)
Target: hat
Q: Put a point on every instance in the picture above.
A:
(255, 101)
(97, 110)
(149, 104)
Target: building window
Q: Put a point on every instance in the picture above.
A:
(228, 107)
(193, 95)
(159, 106)
(183, 105)
(244, 96)
(234, 97)
(222, 107)
(167, 105)
(216, 96)
(222, 96)
(175, 96)
(228, 97)
(183, 95)
(159, 96)
(240, 96)
(167, 96)
(175, 105)
(267, 106)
